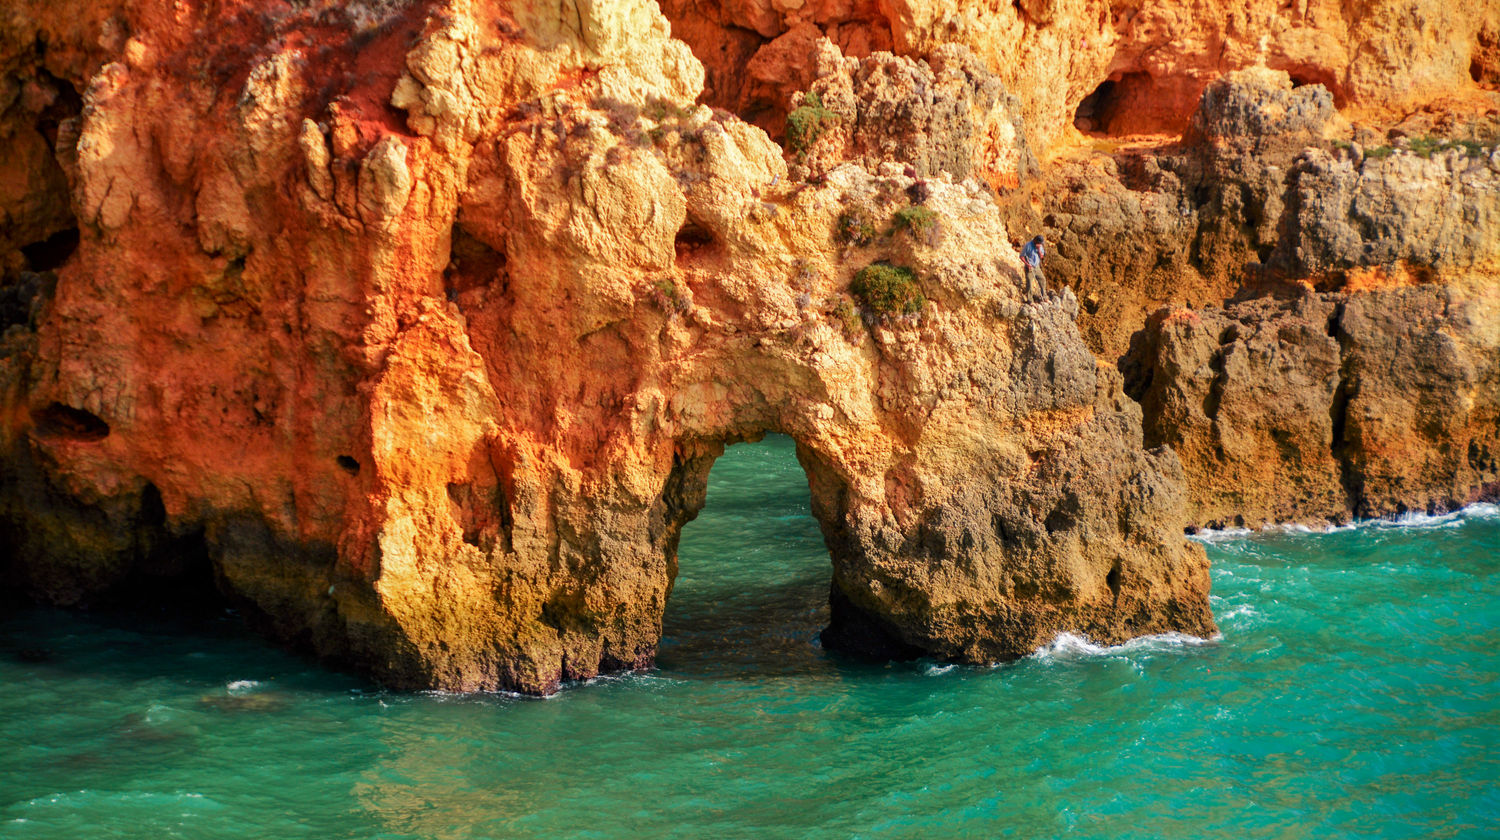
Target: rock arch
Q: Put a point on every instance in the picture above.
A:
(485, 309)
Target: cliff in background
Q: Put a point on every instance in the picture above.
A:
(1330, 348)
(1122, 67)
(415, 327)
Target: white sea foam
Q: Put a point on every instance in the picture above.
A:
(1443, 520)
(937, 670)
(1480, 510)
(243, 686)
(1236, 612)
(1218, 535)
(1072, 646)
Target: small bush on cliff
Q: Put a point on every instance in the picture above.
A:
(659, 110)
(855, 227)
(917, 220)
(888, 289)
(804, 274)
(671, 298)
(806, 123)
(1428, 146)
(848, 318)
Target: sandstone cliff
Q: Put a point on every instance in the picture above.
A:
(1124, 66)
(416, 326)
(419, 325)
(1374, 396)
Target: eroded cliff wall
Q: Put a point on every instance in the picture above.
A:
(420, 324)
(416, 326)
(1336, 355)
(1121, 66)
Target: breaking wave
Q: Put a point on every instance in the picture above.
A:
(1068, 646)
(1453, 519)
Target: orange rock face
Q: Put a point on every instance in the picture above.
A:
(1121, 67)
(1337, 360)
(418, 326)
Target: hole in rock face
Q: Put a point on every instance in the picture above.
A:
(1112, 580)
(64, 421)
(66, 103)
(752, 587)
(693, 239)
(1304, 75)
(348, 464)
(475, 270)
(52, 252)
(153, 511)
(1096, 109)
(1139, 103)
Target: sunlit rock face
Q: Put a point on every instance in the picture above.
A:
(1119, 67)
(414, 327)
(1342, 356)
(1329, 406)
(418, 327)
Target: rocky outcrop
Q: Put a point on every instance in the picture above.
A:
(1245, 397)
(1393, 217)
(947, 115)
(420, 325)
(1257, 397)
(1117, 68)
(1266, 193)
(1192, 225)
(1331, 406)
(1247, 373)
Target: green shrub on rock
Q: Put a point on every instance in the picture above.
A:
(919, 221)
(888, 289)
(806, 123)
(855, 227)
(848, 318)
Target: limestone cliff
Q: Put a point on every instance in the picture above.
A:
(416, 325)
(419, 325)
(1351, 369)
(1329, 406)
(1122, 66)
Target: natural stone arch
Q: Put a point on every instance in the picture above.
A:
(422, 388)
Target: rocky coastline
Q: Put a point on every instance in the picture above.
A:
(413, 329)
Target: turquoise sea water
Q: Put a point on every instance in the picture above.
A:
(1355, 693)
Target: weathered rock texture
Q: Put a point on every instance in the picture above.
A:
(1267, 192)
(1330, 406)
(947, 114)
(1122, 66)
(1374, 397)
(421, 324)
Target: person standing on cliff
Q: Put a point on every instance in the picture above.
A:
(1031, 254)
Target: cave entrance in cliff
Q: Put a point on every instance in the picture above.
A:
(751, 593)
(1096, 109)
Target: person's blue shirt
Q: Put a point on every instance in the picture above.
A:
(1032, 253)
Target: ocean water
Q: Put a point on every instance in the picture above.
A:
(1355, 692)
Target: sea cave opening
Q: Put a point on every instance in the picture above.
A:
(751, 593)
(1096, 109)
